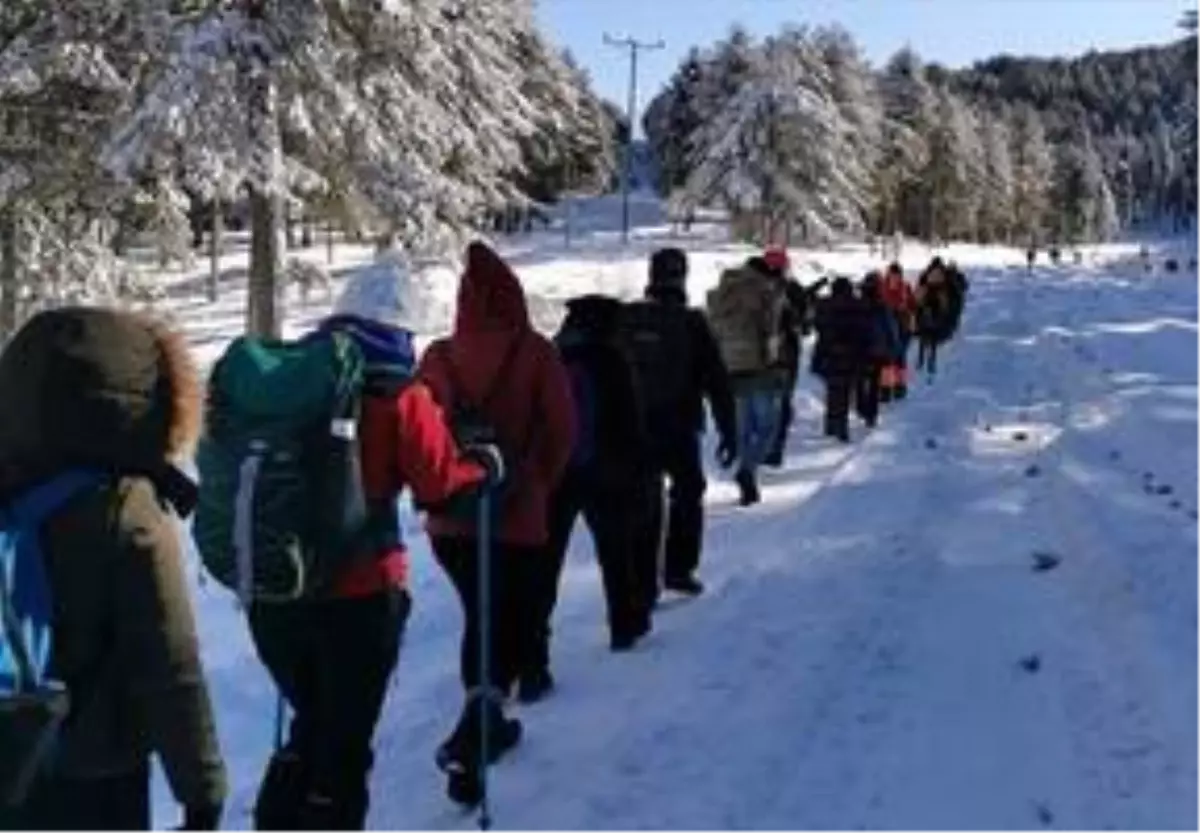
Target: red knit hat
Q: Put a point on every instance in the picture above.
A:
(776, 258)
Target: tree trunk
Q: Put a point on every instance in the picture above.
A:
(8, 273)
(214, 251)
(257, 84)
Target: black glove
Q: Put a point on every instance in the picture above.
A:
(726, 452)
(202, 818)
(492, 461)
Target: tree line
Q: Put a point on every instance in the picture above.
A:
(415, 120)
(798, 135)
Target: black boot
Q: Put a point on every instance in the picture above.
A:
(885, 394)
(688, 585)
(458, 756)
(535, 685)
(281, 796)
(749, 488)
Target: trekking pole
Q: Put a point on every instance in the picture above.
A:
(279, 707)
(485, 569)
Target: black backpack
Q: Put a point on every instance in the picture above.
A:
(657, 338)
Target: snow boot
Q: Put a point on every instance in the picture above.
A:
(535, 686)
(459, 753)
(749, 488)
(688, 585)
(774, 459)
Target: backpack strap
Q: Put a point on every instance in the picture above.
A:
(498, 380)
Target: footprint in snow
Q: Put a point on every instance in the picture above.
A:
(1033, 471)
(1020, 436)
(1044, 815)
(1043, 562)
(1164, 489)
(1032, 663)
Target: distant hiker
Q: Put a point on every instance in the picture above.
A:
(935, 316)
(746, 310)
(957, 286)
(678, 365)
(329, 635)
(1055, 255)
(497, 375)
(840, 353)
(882, 341)
(602, 482)
(99, 407)
(795, 322)
(898, 297)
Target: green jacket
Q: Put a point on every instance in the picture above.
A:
(100, 388)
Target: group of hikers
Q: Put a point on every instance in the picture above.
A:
(502, 436)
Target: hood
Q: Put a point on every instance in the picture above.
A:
(99, 387)
(490, 298)
(385, 292)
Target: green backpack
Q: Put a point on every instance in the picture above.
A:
(282, 505)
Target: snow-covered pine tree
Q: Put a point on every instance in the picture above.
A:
(998, 187)
(412, 109)
(908, 114)
(780, 150)
(1033, 168)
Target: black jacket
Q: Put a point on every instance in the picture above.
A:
(589, 337)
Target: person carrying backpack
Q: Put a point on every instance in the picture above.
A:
(497, 376)
(330, 635)
(840, 353)
(99, 407)
(746, 310)
(677, 366)
(882, 343)
(602, 480)
(898, 297)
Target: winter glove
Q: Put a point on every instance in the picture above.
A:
(726, 452)
(202, 818)
(492, 461)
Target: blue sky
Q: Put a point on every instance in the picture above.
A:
(952, 32)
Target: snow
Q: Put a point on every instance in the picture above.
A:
(875, 648)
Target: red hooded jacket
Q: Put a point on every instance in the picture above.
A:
(531, 410)
(405, 442)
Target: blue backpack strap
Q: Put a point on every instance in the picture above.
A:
(33, 507)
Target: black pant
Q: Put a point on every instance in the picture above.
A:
(608, 506)
(787, 415)
(331, 660)
(866, 394)
(927, 355)
(837, 406)
(114, 802)
(679, 460)
(512, 625)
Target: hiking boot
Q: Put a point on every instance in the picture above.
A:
(749, 488)
(622, 642)
(460, 751)
(688, 585)
(534, 686)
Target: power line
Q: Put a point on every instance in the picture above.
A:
(634, 46)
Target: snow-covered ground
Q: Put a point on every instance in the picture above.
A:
(877, 647)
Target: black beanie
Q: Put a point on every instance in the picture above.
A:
(668, 268)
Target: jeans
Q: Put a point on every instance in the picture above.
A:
(758, 421)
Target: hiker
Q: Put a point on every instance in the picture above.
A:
(898, 297)
(795, 322)
(110, 399)
(745, 310)
(934, 314)
(677, 366)
(602, 481)
(882, 343)
(331, 650)
(840, 353)
(496, 374)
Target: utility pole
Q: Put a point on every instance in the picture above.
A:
(633, 46)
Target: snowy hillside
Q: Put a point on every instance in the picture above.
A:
(980, 615)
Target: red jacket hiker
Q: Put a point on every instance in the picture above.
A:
(531, 409)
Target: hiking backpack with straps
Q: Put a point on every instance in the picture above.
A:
(32, 703)
(282, 505)
(657, 339)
